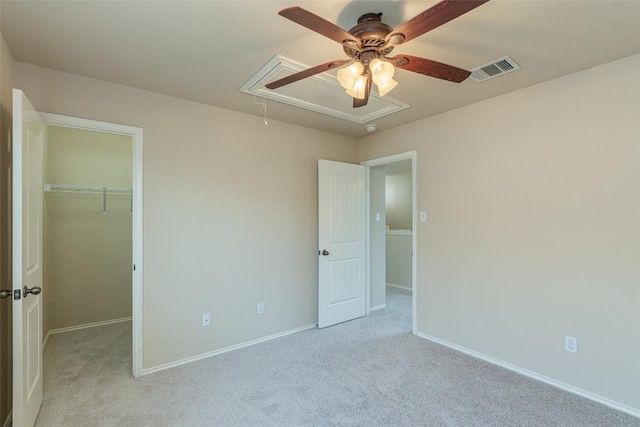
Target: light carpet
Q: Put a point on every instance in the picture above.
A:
(368, 372)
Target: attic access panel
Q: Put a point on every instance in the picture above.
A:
(321, 93)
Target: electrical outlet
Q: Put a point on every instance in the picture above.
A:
(206, 319)
(260, 308)
(571, 344)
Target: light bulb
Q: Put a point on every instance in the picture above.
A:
(382, 71)
(387, 87)
(348, 76)
(359, 89)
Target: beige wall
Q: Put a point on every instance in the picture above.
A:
(6, 85)
(534, 227)
(398, 259)
(88, 275)
(399, 200)
(230, 212)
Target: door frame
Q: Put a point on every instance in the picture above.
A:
(408, 155)
(137, 221)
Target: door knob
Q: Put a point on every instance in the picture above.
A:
(325, 252)
(4, 293)
(35, 291)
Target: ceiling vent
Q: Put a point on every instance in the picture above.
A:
(493, 69)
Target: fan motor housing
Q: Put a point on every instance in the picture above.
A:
(371, 32)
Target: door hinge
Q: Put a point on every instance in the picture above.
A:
(134, 267)
(16, 294)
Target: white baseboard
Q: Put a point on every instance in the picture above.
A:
(377, 307)
(226, 349)
(8, 422)
(404, 288)
(527, 373)
(85, 326)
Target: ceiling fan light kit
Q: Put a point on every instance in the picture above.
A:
(368, 45)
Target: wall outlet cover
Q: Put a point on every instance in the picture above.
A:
(571, 344)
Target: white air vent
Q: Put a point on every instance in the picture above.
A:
(493, 69)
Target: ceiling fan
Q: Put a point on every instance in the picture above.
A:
(368, 44)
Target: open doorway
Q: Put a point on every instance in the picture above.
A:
(87, 219)
(93, 226)
(392, 230)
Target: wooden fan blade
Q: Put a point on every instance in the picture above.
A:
(316, 23)
(307, 73)
(357, 103)
(430, 68)
(435, 16)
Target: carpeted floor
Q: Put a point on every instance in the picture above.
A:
(368, 372)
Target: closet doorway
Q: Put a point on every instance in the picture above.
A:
(92, 227)
(88, 240)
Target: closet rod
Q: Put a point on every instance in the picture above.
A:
(66, 188)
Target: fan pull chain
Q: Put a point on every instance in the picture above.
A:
(263, 108)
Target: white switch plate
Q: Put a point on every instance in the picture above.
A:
(378, 216)
(206, 319)
(423, 216)
(260, 308)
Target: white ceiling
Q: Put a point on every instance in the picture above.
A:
(206, 50)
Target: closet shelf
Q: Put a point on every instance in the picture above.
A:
(90, 189)
(85, 189)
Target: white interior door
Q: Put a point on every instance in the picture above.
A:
(341, 237)
(28, 134)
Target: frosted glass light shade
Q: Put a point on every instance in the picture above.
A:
(382, 71)
(348, 76)
(384, 89)
(359, 89)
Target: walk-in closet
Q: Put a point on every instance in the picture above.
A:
(87, 228)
